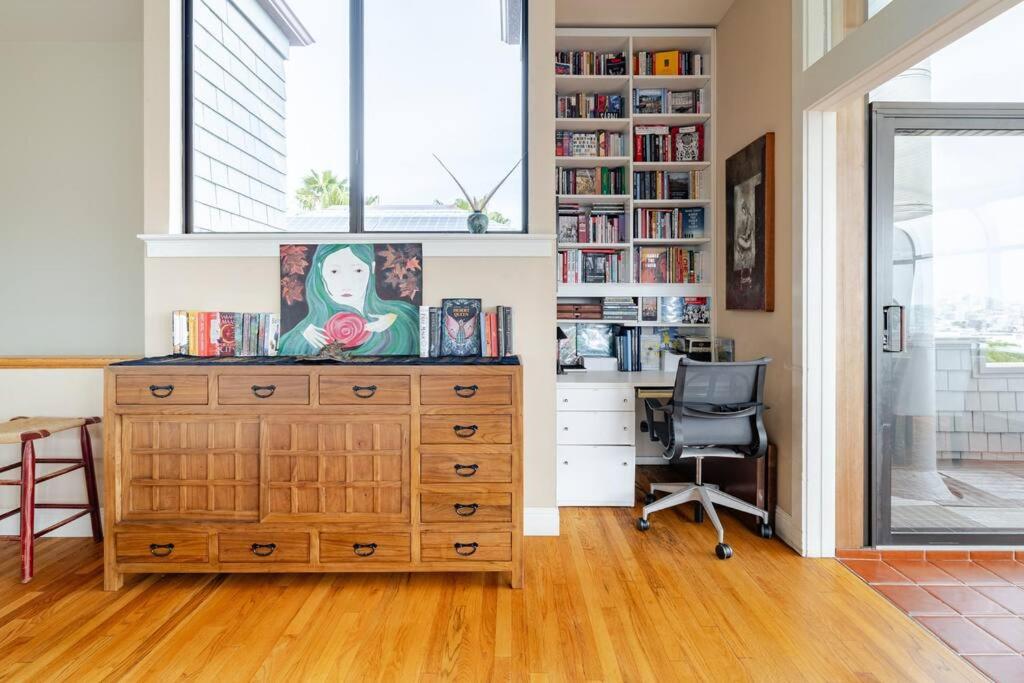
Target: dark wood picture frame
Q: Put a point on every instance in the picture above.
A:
(750, 207)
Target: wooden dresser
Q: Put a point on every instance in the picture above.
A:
(220, 466)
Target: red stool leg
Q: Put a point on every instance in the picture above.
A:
(89, 466)
(28, 510)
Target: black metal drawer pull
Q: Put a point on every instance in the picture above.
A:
(364, 392)
(264, 391)
(466, 470)
(466, 391)
(161, 390)
(263, 549)
(460, 548)
(161, 549)
(364, 549)
(466, 509)
(465, 431)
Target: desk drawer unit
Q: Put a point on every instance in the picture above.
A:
(610, 429)
(596, 475)
(588, 399)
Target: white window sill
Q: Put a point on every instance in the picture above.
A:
(226, 245)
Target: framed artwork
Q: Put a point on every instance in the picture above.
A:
(364, 298)
(750, 227)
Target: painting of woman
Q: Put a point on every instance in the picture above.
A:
(363, 297)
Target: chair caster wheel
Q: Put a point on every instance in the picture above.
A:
(765, 530)
(644, 428)
(642, 524)
(698, 513)
(723, 551)
(649, 498)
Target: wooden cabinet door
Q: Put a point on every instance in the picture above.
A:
(190, 467)
(351, 468)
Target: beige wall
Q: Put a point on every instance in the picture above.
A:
(754, 97)
(688, 13)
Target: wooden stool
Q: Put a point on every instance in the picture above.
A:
(25, 430)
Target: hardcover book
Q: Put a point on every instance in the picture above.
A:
(586, 181)
(667, 63)
(653, 264)
(671, 309)
(696, 310)
(693, 221)
(649, 308)
(688, 143)
(584, 145)
(460, 327)
(683, 102)
(649, 101)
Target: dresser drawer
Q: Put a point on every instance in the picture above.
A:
(382, 390)
(189, 390)
(438, 546)
(256, 546)
(468, 506)
(613, 429)
(364, 547)
(458, 390)
(158, 546)
(233, 390)
(596, 475)
(574, 398)
(465, 429)
(460, 468)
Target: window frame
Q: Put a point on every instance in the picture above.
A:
(357, 113)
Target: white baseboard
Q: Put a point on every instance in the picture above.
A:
(787, 529)
(540, 521)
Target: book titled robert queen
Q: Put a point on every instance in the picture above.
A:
(460, 327)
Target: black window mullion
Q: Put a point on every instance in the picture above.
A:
(356, 110)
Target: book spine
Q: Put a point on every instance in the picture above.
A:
(424, 331)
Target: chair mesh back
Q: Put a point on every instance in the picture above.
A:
(717, 384)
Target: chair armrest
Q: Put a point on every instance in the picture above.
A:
(656, 404)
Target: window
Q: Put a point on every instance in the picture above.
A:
(347, 115)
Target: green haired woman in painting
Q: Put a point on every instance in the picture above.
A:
(345, 308)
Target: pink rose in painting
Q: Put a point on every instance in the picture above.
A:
(347, 329)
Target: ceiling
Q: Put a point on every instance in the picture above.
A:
(640, 12)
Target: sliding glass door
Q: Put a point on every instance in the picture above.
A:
(947, 350)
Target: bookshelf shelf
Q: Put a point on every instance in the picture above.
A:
(632, 260)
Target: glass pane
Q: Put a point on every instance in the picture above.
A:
(270, 116)
(953, 400)
(441, 78)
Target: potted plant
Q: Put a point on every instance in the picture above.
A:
(478, 220)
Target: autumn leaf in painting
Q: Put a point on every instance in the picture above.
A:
(402, 270)
(291, 289)
(293, 259)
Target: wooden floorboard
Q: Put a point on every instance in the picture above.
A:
(603, 602)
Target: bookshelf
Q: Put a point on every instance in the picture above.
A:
(630, 41)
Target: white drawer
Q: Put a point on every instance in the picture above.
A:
(580, 398)
(596, 475)
(604, 429)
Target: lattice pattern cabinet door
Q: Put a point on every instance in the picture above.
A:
(191, 467)
(350, 468)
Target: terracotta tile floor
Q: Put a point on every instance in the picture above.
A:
(972, 601)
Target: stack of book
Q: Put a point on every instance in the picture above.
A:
(214, 333)
(680, 223)
(599, 143)
(579, 311)
(664, 101)
(668, 184)
(675, 265)
(668, 143)
(590, 266)
(601, 180)
(668, 63)
(460, 327)
(589, 63)
(584, 106)
(599, 223)
(619, 308)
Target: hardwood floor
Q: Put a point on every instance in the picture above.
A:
(602, 602)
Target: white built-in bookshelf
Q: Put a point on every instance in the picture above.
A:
(630, 41)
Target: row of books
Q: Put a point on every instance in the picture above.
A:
(679, 223)
(590, 266)
(676, 265)
(619, 308)
(599, 143)
(668, 63)
(217, 333)
(665, 310)
(668, 184)
(584, 106)
(668, 143)
(601, 223)
(590, 63)
(664, 101)
(461, 327)
(601, 180)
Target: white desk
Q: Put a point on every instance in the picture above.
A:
(597, 435)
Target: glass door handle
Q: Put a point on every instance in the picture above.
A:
(894, 329)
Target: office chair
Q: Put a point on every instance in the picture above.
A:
(715, 411)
